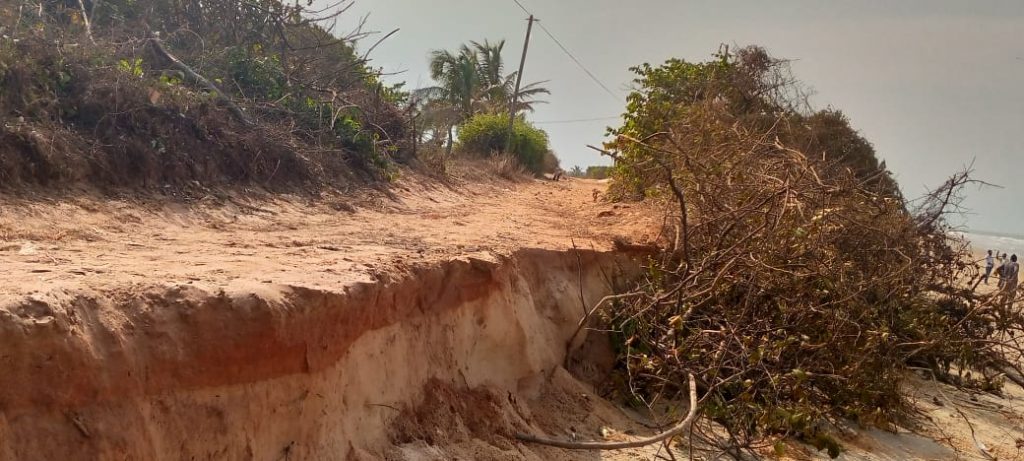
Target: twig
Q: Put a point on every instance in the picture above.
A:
(383, 406)
(76, 420)
(369, 50)
(586, 316)
(977, 444)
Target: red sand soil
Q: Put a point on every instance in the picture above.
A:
(330, 242)
(101, 243)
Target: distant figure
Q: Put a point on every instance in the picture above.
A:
(1000, 265)
(990, 264)
(559, 174)
(1010, 273)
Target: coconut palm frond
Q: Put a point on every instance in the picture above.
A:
(471, 80)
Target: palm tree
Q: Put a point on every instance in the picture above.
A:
(472, 81)
(498, 86)
(527, 98)
(452, 100)
(458, 77)
(490, 66)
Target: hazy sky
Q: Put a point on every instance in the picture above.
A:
(934, 84)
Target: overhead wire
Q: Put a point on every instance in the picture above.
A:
(580, 64)
(577, 120)
(571, 56)
(522, 7)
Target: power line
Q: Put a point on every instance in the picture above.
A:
(578, 63)
(578, 120)
(522, 7)
(571, 56)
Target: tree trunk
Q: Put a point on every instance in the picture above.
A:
(451, 140)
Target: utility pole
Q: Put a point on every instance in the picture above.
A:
(519, 80)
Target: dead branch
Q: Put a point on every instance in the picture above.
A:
(366, 54)
(791, 261)
(603, 151)
(85, 19)
(676, 430)
(202, 81)
(800, 284)
(587, 314)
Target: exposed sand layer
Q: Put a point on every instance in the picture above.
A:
(428, 324)
(258, 371)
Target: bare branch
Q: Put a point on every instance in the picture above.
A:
(677, 430)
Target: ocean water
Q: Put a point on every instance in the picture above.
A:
(1003, 243)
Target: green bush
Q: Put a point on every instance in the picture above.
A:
(345, 126)
(750, 89)
(488, 134)
(260, 75)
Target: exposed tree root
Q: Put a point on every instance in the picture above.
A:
(676, 430)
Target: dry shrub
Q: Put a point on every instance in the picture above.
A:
(507, 166)
(79, 123)
(434, 161)
(110, 112)
(795, 290)
(797, 282)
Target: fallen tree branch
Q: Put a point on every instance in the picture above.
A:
(678, 429)
(208, 85)
(604, 152)
(1013, 374)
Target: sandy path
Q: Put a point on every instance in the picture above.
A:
(100, 243)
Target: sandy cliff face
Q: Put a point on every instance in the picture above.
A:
(262, 371)
(421, 327)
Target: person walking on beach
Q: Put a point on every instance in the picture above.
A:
(1008, 282)
(1010, 273)
(1000, 265)
(990, 264)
